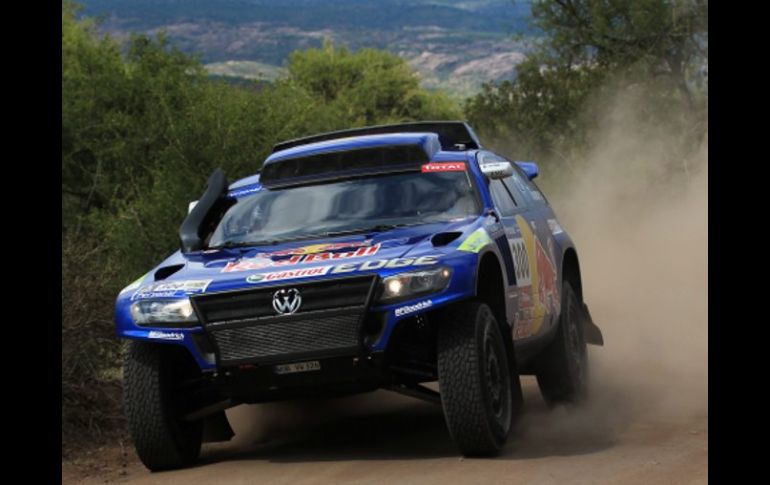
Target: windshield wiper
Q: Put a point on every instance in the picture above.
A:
(244, 244)
(270, 242)
(365, 230)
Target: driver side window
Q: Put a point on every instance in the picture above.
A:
(522, 181)
(515, 192)
(503, 200)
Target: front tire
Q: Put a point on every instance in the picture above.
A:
(479, 386)
(154, 403)
(562, 373)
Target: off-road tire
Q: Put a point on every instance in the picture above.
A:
(152, 374)
(479, 385)
(562, 370)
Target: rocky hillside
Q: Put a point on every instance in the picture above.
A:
(453, 44)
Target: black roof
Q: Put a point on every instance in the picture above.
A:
(450, 134)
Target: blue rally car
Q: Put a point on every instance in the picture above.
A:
(381, 257)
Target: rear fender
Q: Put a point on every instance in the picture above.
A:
(570, 269)
(591, 332)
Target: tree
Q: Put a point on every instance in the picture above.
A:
(538, 110)
(663, 37)
(366, 87)
(588, 46)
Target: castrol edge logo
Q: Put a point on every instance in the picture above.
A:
(342, 268)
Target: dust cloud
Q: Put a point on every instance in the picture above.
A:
(636, 207)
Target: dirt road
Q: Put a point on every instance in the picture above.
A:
(386, 438)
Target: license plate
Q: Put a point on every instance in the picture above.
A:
(297, 367)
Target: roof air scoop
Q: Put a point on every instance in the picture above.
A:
(349, 157)
(450, 134)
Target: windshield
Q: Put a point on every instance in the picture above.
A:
(357, 205)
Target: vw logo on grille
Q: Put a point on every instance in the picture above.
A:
(287, 301)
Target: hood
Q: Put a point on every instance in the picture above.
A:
(232, 268)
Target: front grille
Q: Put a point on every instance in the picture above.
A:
(279, 338)
(258, 302)
(246, 329)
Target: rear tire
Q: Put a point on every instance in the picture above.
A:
(562, 372)
(479, 386)
(154, 405)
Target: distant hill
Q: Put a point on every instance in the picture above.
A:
(454, 44)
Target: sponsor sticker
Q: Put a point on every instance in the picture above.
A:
(327, 256)
(245, 191)
(250, 264)
(371, 264)
(171, 289)
(475, 241)
(443, 167)
(493, 226)
(537, 282)
(308, 254)
(165, 335)
(384, 263)
(288, 274)
(319, 248)
(521, 262)
(553, 224)
(405, 310)
(522, 330)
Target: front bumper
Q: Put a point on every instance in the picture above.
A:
(336, 376)
(372, 332)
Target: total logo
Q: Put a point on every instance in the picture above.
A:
(443, 167)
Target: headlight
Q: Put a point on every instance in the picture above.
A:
(413, 283)
(176, 311)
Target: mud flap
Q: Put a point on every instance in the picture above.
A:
(591, 332)
(216, 427)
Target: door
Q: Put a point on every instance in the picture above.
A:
(534, 286)
(539, 293)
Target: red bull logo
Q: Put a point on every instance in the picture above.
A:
(547, 290)
(304, 255)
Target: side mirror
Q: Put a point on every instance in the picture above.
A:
(529, 168)
(191, 206)
(496, 170)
